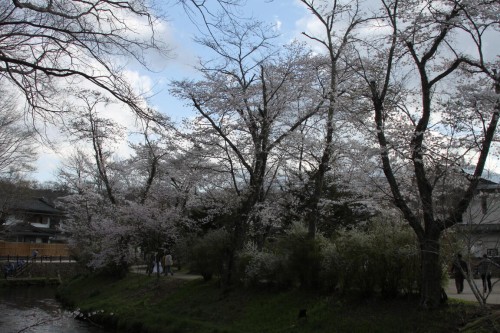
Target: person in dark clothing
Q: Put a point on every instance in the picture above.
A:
(484, 270)
(459, 269)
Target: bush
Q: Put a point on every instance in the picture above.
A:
(355, 262)
(208, 254)
(330, 269)
(383, 257)
(303, 257)
(293, 260)
(114, 270)
(260, 267)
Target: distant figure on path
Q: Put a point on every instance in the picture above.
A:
(458, 269)
(168, 264)
(157, 267)
(485, 271)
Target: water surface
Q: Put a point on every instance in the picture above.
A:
(34, 309)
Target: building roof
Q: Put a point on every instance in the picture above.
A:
(36, 205)
(27, 229)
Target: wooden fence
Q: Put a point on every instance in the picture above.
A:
(13, 249)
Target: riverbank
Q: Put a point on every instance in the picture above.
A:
(21, 282)
(34, 309)
(139, 303)
(43, 273)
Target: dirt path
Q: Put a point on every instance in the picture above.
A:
(468, 295)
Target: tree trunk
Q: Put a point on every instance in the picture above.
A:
(430, 289)
(237, 241)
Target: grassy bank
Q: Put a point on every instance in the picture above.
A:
(37, 281)
(141, 304)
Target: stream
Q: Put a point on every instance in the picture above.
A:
(35, 310)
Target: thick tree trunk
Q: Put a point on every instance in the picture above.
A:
(430, 293)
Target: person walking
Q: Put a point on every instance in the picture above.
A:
(484, 269)
(168, 264)
(459, 269)
(157, 266)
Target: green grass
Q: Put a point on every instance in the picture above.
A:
(141, 304)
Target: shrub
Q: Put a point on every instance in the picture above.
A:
(355, 262)
(293, 260)
(382, 257)
(262, 268)
(330, 269)
(303, 257)
(208, 254)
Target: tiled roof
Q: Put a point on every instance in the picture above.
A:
(36, 205)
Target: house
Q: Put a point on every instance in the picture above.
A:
(32, 220)
(480, 227)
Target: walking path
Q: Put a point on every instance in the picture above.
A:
(141, 269)
(468, 295)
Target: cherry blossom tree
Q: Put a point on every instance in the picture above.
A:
(250, 100)
(99, 132)
(77, 174)
(412, 82)
(338, 21)
(145, 204)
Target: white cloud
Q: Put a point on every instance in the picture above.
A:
(61, 146)
(277, 24)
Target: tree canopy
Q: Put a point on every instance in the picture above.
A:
(386, 106)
